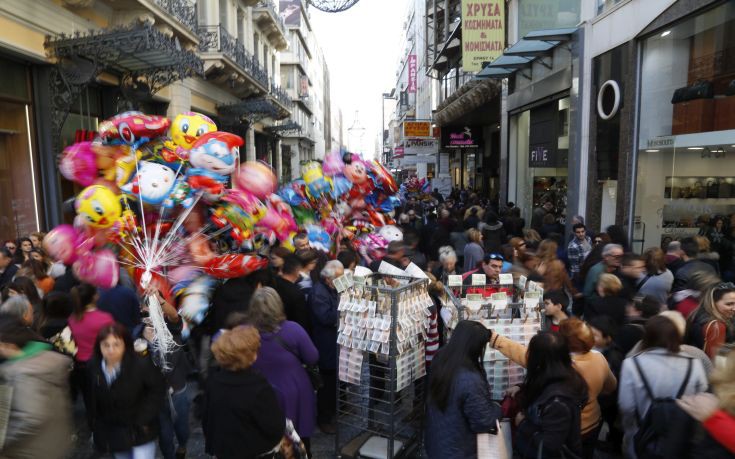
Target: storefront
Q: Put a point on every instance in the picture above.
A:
(463, 144)
(541, 166)
(19, 186)
(686, 135)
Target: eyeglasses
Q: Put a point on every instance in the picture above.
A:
(10, 247)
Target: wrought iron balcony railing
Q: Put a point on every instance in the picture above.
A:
(271, 7)
(217, 39)
(183, 10)
(281, 96)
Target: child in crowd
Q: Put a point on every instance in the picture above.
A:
(555, 306)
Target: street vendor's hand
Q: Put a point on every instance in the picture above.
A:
(512, 391)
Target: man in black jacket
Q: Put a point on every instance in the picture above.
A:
(294, 301)
(682, 278)
(7, 268)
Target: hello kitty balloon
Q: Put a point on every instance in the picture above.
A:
(153, 182)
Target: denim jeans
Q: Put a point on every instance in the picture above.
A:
(174, 420)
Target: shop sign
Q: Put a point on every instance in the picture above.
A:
(661, 142)
(398, 152)
(412, 74)
(483, 32)
(541, 156)
(303, 86)
(421, 147)
(463, 137)
(412, 129)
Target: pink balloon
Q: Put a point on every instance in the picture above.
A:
(333, 163)
(78, 163)
(98, 268)
(61, 243)
(183, 273)
(256, 178)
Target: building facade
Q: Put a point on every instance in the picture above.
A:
(73, 63)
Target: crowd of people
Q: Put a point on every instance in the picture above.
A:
(635, 356)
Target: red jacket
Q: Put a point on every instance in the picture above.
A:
(721, 426)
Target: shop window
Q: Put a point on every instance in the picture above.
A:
(686, 145)
(14, 80)
(545, 14)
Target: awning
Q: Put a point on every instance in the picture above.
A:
(253, 109)
(525, 52)
(470, 96)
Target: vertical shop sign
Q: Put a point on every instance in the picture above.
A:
(483, 32)
(412, 74)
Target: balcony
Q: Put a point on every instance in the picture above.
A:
(270, 23)
(217, 44)
(306, 103)
(183, 10)
(281, 96)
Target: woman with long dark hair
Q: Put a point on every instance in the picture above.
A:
(712, 324)
(459, 403)
(552, 397)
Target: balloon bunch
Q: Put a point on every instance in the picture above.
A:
(415, 188)
(343, 198)
(169, 202)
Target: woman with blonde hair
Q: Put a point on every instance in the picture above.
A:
(242, 417)
(716, 411)
(473, 251)
(712, 324)
(285, 348)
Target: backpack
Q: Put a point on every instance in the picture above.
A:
(664, 431)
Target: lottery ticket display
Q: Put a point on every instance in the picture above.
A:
(367, 324)
(501, 372)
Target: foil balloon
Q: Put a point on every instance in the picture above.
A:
(98, 206)
(98, 268)
(256, 178)
(277, 223)
(391, 233)
(356, 172)
(153, 183)
(188, 127)
(133, 128)
(341, 186)
(213, 158)
(333, 163)
(78, 163)
(234, 265)
(317, 185)
(318, 237)
(195, 299)
(61, 243)
(382, 177)
(200, 250)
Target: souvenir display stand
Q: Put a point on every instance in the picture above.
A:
(511, 310)
(382, 367)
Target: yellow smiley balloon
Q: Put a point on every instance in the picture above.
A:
(188, 127)
(98, 206)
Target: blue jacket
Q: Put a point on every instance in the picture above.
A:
(452, 434)
(323, 303)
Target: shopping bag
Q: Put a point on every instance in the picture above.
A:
(498, 445)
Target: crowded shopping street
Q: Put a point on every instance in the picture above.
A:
(367, 229)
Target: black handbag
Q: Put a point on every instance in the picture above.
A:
(700, 89)
(312, 371)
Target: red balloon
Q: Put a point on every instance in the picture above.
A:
(234, 265)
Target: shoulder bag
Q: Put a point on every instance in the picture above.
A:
(312, 371)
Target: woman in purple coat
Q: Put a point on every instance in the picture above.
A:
(285, 348)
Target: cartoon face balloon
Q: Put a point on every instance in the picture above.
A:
(391, 233)
(78, 163)
(153, 183)
(98, 268)
(188, 127)
(257, 178)
(355, 171)
(98, 206)
(61, 243)
(216, 152)
(132, 127)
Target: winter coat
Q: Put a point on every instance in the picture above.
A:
(242, 418)
(125, 413)
(40, 423)
(451, 434)
(683, 275)
(554, 418)
(611, 306)
(323, 303)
